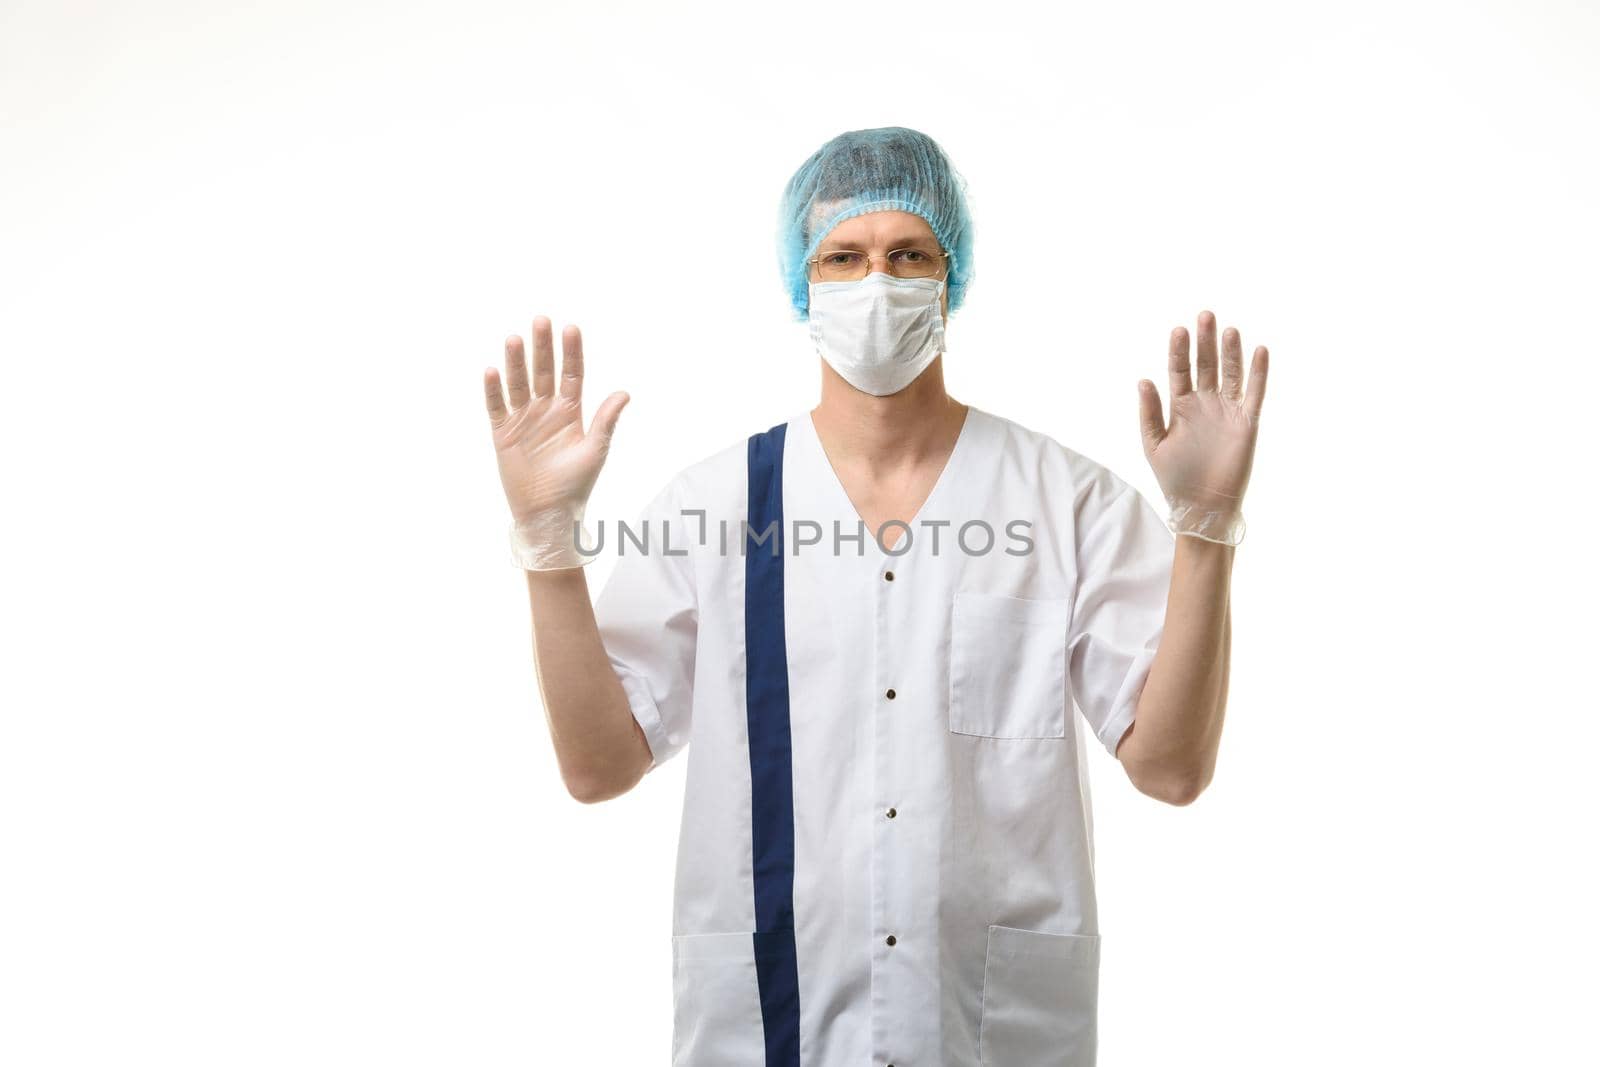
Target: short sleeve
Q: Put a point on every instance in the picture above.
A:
(648, 621)
(1124, 554)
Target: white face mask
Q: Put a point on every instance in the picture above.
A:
(879, 333)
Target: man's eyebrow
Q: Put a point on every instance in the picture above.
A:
(904, 241)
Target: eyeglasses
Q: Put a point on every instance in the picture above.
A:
(845, 265)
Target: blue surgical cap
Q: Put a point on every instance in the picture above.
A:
(891, 168)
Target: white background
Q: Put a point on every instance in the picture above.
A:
(275, 786)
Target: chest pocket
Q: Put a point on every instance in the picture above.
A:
(1008, 666)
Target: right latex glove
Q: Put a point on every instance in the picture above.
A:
(1203, 459)
(548, 465)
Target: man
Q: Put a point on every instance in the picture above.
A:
(870, 625)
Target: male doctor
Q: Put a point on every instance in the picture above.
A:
(870, 626)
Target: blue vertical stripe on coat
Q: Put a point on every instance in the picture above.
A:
(771, 759)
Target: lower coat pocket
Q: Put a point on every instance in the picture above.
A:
(716, 1001)
(1040, 999)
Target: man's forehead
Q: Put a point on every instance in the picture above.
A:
(895, 226)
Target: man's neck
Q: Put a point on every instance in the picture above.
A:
(887, 431)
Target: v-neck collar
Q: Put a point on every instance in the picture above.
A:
(830, 493)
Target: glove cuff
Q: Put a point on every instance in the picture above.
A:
(550, 540)
(1224, 526)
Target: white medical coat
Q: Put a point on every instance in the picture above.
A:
(886, 853)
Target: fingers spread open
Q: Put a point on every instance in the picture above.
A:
(1178, 378)
(572, 363)
(1206, 353)
(516, 371)
(544, 358)
(1232, 364)
(492, 398)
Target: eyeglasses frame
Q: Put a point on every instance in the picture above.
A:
(943, 254)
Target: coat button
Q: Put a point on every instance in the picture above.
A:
(890, 694)
(889, 940)
(888, 576)
(890, 813)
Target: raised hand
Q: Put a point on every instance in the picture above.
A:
(1203, 454)
(548, 464)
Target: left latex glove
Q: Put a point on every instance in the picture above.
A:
(1202, 456)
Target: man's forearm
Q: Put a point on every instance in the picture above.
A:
(1171, 751)
(599, 747)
